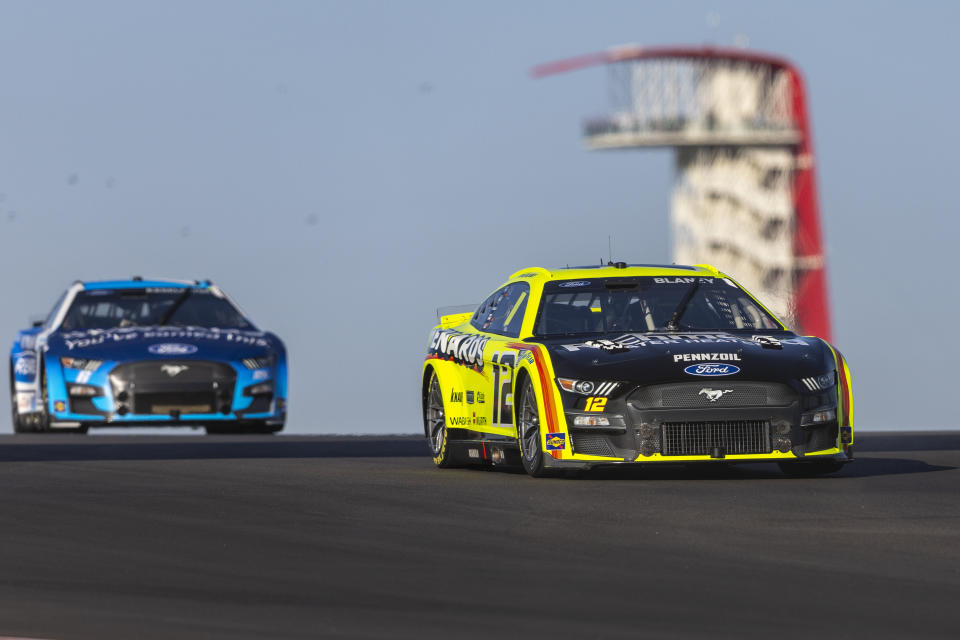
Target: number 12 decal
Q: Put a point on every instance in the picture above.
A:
(503, 364)
(596, 404)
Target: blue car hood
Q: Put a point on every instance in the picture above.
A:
(144, 343)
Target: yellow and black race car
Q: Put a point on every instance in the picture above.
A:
(578, 367)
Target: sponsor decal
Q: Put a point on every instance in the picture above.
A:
(466, 421)
(641, 340)
(698, 357)
(96, 337)
(556, 441)
(173, 370)
(25, 401)
(456, 396)
(683, 280)
(171, 290)
(470, 397)
(84, 376)
(528, 274)
(767, 341)
(609, 346)
(574, 283)
(59, 405)
(172, 349)
(712, 369)
(596, 404)
(462, 348)
(261, 374)
(25, 367)
(27, 343)
(714, 394)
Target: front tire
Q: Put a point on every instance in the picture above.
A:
(435, 424)
(810, 469)
(528, 432)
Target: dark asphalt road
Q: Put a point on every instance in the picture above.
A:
(299, 537)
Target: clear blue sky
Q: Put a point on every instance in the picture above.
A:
(344, 168)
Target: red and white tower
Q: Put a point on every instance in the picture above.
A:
(745, 196)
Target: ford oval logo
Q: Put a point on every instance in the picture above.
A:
(575, 283)
(712, 369)
(172, 349)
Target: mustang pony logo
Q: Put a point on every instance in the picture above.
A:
(173, 370)
(713, 394)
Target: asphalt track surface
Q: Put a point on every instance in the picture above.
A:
(327, 537)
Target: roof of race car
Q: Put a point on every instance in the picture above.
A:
(615, 270)
(139, 283)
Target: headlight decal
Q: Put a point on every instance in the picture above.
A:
(259, 363)
(820, 383)
(83, 364)
(587, 387)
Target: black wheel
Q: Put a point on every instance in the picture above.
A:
(435, 424)
(528, 432)
(810, 469)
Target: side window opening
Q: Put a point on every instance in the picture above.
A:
(503, 311)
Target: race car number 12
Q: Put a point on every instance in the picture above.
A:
(502, 398)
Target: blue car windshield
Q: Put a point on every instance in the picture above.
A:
(113, 308)
(649, 304)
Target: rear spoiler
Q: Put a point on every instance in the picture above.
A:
(455, 315)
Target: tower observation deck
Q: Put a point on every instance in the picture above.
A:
(744, 197)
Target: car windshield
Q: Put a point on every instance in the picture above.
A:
(648, 304)
(182, 307)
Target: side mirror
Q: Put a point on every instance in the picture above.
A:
(36, 321)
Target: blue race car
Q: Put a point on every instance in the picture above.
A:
(128, 353)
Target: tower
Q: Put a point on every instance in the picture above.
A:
(744, 197)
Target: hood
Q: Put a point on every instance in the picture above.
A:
(652, 358)
(145, 343)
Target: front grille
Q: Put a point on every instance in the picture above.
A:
(701, 438)
(592, 444)
(172, 387)
(695, 395)
(164, 403)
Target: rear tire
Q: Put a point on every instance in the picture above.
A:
(528, 432)
(810, 469)
(435, 424)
